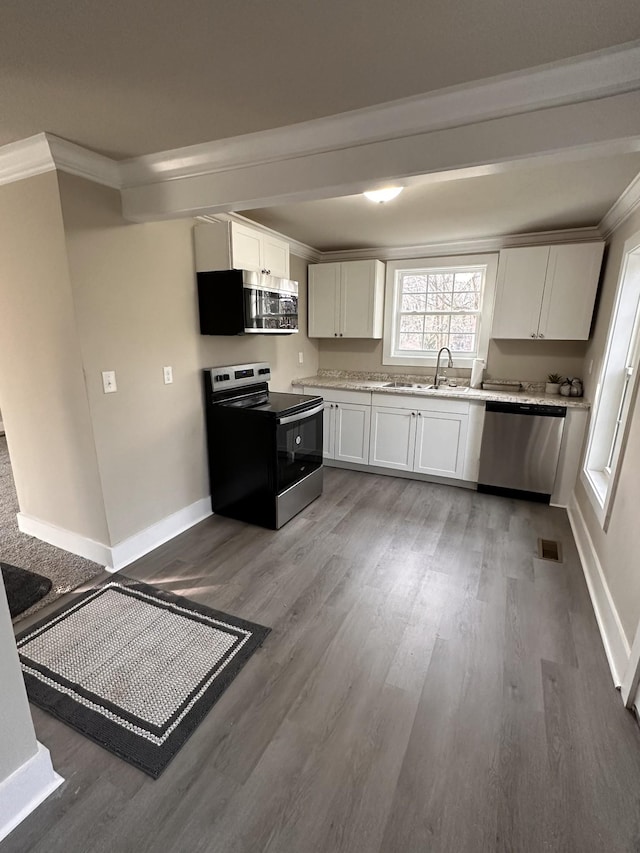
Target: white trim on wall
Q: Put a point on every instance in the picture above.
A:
(152, 537)
(83, 546)
(612, 633)
(26, 788)
(118, 556)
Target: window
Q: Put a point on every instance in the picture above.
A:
(615, 386)
(439, 302)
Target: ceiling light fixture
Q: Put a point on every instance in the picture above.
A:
(386, 194)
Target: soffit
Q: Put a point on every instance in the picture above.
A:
(431, 210)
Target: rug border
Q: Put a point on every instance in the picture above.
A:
(131, 747)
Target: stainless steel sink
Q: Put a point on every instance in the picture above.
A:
(401, 385)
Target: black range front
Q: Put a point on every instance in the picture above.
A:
(264, 448)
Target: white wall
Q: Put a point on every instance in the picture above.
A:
(617, 549)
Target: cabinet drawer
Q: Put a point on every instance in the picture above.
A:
(335, 395)
(420, 404)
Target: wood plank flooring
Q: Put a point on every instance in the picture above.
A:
(429, 685)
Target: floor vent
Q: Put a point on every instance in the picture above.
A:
(549, 549)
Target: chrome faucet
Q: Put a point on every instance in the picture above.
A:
(437, 377)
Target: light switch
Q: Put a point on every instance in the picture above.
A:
(300, 358)
(109, 381)
(168, 375)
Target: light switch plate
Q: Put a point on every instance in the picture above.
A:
(109, 381)
(167, 372)
(300, 358)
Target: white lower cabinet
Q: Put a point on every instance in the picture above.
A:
(393, 438)
(441, 441)
(428, 438)
(346, 427)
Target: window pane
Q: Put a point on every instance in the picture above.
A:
(466, 301)
(466, 323)
(412, 323)
(462, 343)
(468, 281)
(441, 282)
(433, 342)
(436, 323)
(414, 283)
(411, 341)
(413, 302)
(438, 301)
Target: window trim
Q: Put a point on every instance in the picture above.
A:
(489, 261)
(598, 477)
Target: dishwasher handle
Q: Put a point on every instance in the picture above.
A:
(527, 409)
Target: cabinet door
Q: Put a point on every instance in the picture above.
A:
(441, 439)
(324, 300)
(570, 291)
(520, 285)
(393, 438)
(352, 426)
(328, 432)
(246, 248)
(275, 256)
(360, 300)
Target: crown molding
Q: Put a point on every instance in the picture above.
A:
(45, 153)
(621, 209)
(588, 77)
(465, 247)
(301, 250)
(25, 158)
(76, 160)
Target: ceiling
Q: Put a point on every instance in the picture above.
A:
(522, 200)
(126, 79)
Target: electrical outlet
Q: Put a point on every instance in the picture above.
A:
(109, 381)
(168, 375)
(300, 358)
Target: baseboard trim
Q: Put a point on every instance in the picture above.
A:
(157, 534)
(83, 546)
(125, 552)
(26, 788)
(613, 637)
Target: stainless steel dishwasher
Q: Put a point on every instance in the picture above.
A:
(520, 449)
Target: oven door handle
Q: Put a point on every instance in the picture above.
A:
(301, 415)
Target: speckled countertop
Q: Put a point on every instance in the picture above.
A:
(533, 392)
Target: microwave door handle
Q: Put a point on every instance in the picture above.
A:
(301, 415)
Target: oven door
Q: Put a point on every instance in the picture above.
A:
(272, 311)
(299, 441)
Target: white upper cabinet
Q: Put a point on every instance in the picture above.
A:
(228, 245)
(346, 299)
(547, 292)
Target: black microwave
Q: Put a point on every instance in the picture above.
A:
(242, 302)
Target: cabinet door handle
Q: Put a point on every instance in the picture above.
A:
(419, 414)
(336, 405)
(335, 334)
(413, 414)
(541, 335)
(533, 335)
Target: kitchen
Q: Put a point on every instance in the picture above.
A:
(131, 474)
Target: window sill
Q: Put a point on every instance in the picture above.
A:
(596, 485)
(428, 361)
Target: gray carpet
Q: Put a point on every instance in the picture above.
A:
(66, 571)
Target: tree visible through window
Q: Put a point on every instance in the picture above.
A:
(439, 308)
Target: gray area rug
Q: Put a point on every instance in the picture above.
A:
(66, 571)
(134, 668)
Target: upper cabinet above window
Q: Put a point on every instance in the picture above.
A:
(547, 292)
(346, 299)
